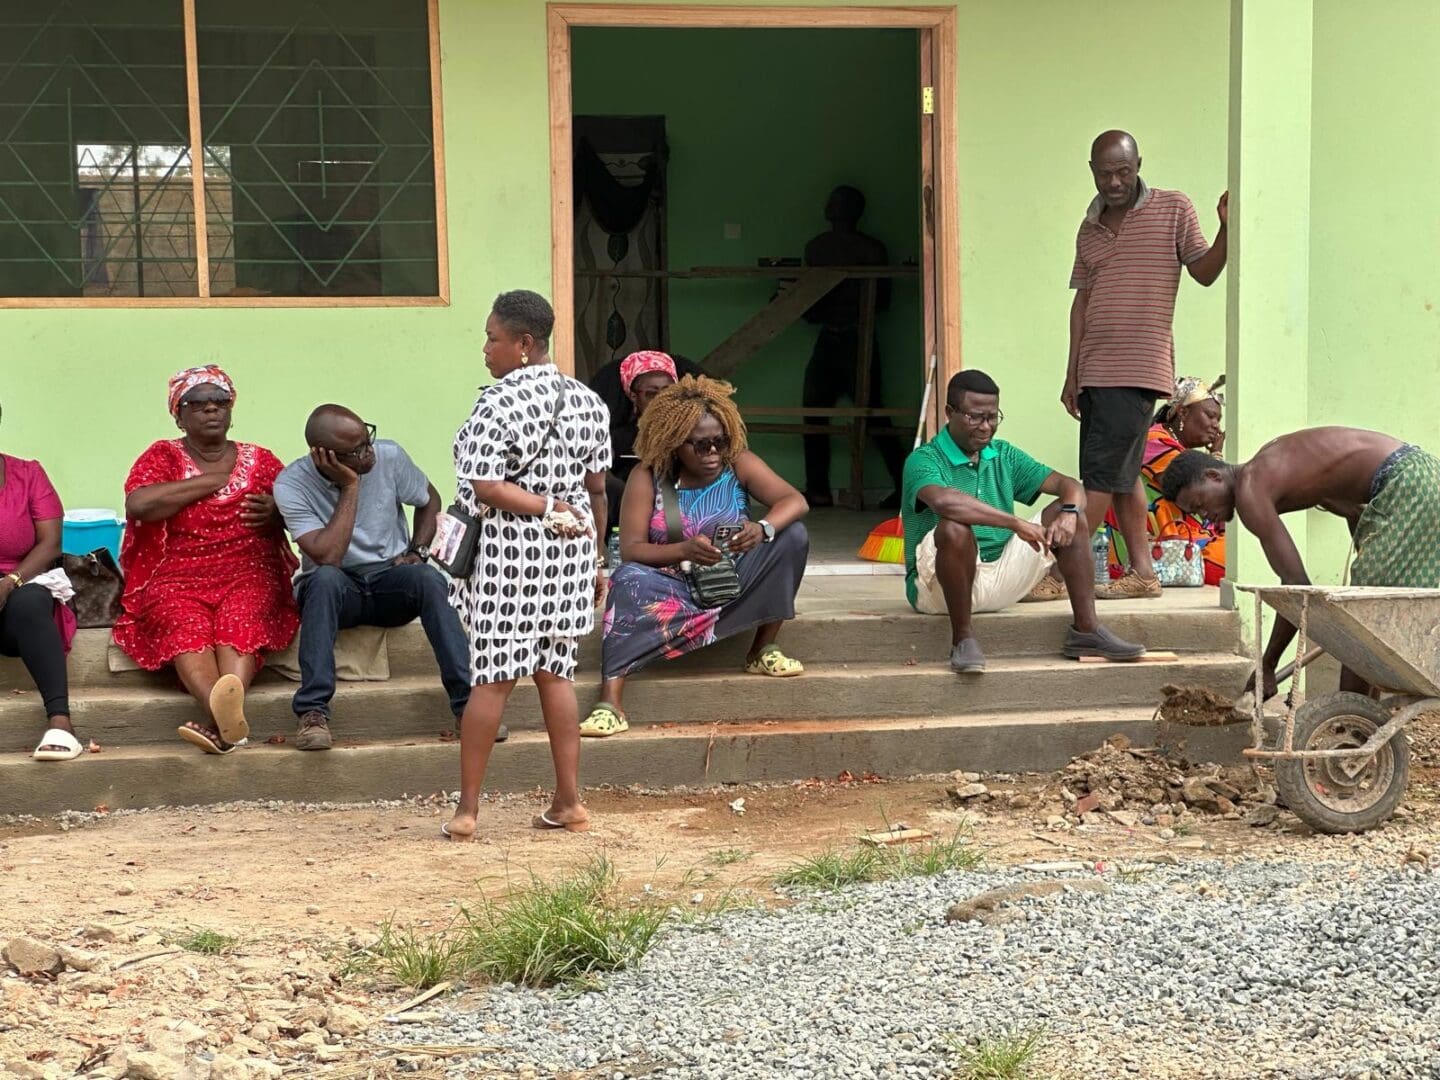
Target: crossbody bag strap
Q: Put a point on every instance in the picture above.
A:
(549, 431)
(670, 503)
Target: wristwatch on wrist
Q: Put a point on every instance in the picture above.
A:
(15, 577)
(1070, 508)
(768, 530)
(420, 552)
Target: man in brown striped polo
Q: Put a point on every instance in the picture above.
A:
(1128, 256)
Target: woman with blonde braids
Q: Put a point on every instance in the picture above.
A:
(692, 440)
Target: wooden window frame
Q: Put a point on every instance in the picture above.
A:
(202, 238)
(938, 32)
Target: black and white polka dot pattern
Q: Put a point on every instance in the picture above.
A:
(515, 658)
(529, 586)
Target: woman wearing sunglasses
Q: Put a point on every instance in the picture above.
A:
(692, 440)
(207, 566)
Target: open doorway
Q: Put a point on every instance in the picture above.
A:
(753, 118)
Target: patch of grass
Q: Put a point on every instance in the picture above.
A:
(730, 856)
(833, 869)
(561, 934)
(415, 959)
(1131, 875)
(836, 869)
(1009, 1055)
(208, 943)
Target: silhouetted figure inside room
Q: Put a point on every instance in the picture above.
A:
(832, 371)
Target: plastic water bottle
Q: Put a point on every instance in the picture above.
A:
(612, 548)
(1100, 550)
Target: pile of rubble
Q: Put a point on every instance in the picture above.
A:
(1128, 785)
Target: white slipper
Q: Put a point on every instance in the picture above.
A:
(57, 737)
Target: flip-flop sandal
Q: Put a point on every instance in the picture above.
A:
(546, 822)
(57, 744)
(774, 663)
(208, 741)
(457, 836)
(604, 719)
(227, 706)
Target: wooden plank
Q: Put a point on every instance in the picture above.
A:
(1161, 657)
(947, 203)
(437, 138)
(894, 836)
(562, 210)
(801, 410)
(218, 301)
(761, 272)
(836, 431)
(929, 308)
(770, 321)
(675, 15)
(197, 154)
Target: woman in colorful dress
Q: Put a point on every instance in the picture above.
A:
(207, 566)
(530, 465)
(693, 439)
(1190, 420)
(34, 625)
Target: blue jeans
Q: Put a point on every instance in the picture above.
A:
(332, 599)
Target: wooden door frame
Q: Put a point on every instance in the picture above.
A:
(940, 21)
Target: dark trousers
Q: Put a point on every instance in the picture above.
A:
(332, 600)
(28, 630)
(830, 376)
(614, 492)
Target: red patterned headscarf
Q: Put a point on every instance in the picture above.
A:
(642, 363)
(182, 382)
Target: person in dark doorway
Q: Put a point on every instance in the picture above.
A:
(627, 386)
(830, 375)
(1128, 255)
(1387, 491)
(967, 552)
(344, 503)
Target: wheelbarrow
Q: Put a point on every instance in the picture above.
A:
(1341, 759)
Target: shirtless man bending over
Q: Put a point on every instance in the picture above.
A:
(1386, 490)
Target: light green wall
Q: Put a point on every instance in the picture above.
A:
(84, 389)
(1375, 232)
(761, 125)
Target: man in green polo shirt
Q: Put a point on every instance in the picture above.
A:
(966, 551)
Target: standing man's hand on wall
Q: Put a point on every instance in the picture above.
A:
(1070, 396)
(1222, 209)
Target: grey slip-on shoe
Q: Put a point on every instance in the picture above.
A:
(966, 657)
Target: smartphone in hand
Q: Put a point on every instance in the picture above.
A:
(724, 534)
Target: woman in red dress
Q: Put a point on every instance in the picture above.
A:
(207, 567)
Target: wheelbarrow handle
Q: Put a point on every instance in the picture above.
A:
(1294, 665)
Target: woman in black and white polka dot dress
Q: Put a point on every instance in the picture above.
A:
(532, 596)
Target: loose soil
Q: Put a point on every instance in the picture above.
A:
(303, 888)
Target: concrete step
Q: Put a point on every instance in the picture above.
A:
(173, 774)
(849, 622)
(415, 706)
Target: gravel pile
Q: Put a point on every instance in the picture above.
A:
(1248, 969)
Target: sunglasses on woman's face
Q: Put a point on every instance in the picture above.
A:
(717, 444)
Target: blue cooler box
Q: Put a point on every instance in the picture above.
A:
(85, 530)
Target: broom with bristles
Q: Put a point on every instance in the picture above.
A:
(886, 542)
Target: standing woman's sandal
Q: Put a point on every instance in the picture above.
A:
(604, 719)
(774, 663)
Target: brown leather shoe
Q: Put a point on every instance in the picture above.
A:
(313, 732)
(1049, 588)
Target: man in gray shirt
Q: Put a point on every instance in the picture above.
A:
(344, 504)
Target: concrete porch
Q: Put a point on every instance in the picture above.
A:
(877, 696)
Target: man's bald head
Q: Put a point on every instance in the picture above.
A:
(1115, 165)
(1114, 140)
(334, 427)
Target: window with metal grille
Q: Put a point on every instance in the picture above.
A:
(316, 121)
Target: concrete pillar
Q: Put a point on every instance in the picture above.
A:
(1268, 275)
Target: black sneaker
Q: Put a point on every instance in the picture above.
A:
(1100, 642)
(966, 657)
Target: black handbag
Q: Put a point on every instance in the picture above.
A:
(457, 531)
(710, 586)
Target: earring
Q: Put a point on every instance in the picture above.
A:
(1180, 430)
(524, 359)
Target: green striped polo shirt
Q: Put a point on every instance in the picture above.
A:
(1002, 476)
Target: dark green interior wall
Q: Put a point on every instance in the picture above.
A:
(761, 125)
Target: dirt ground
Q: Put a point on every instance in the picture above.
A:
(302, 888)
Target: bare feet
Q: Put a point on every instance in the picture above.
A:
(460, 827)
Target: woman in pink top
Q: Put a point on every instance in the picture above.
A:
(33, 626)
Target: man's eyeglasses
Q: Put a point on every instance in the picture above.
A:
(718, 444)
(363, 449)
(980, 419)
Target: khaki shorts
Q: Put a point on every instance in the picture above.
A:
(998, 584)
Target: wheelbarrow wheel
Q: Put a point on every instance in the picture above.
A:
(1319, 790)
